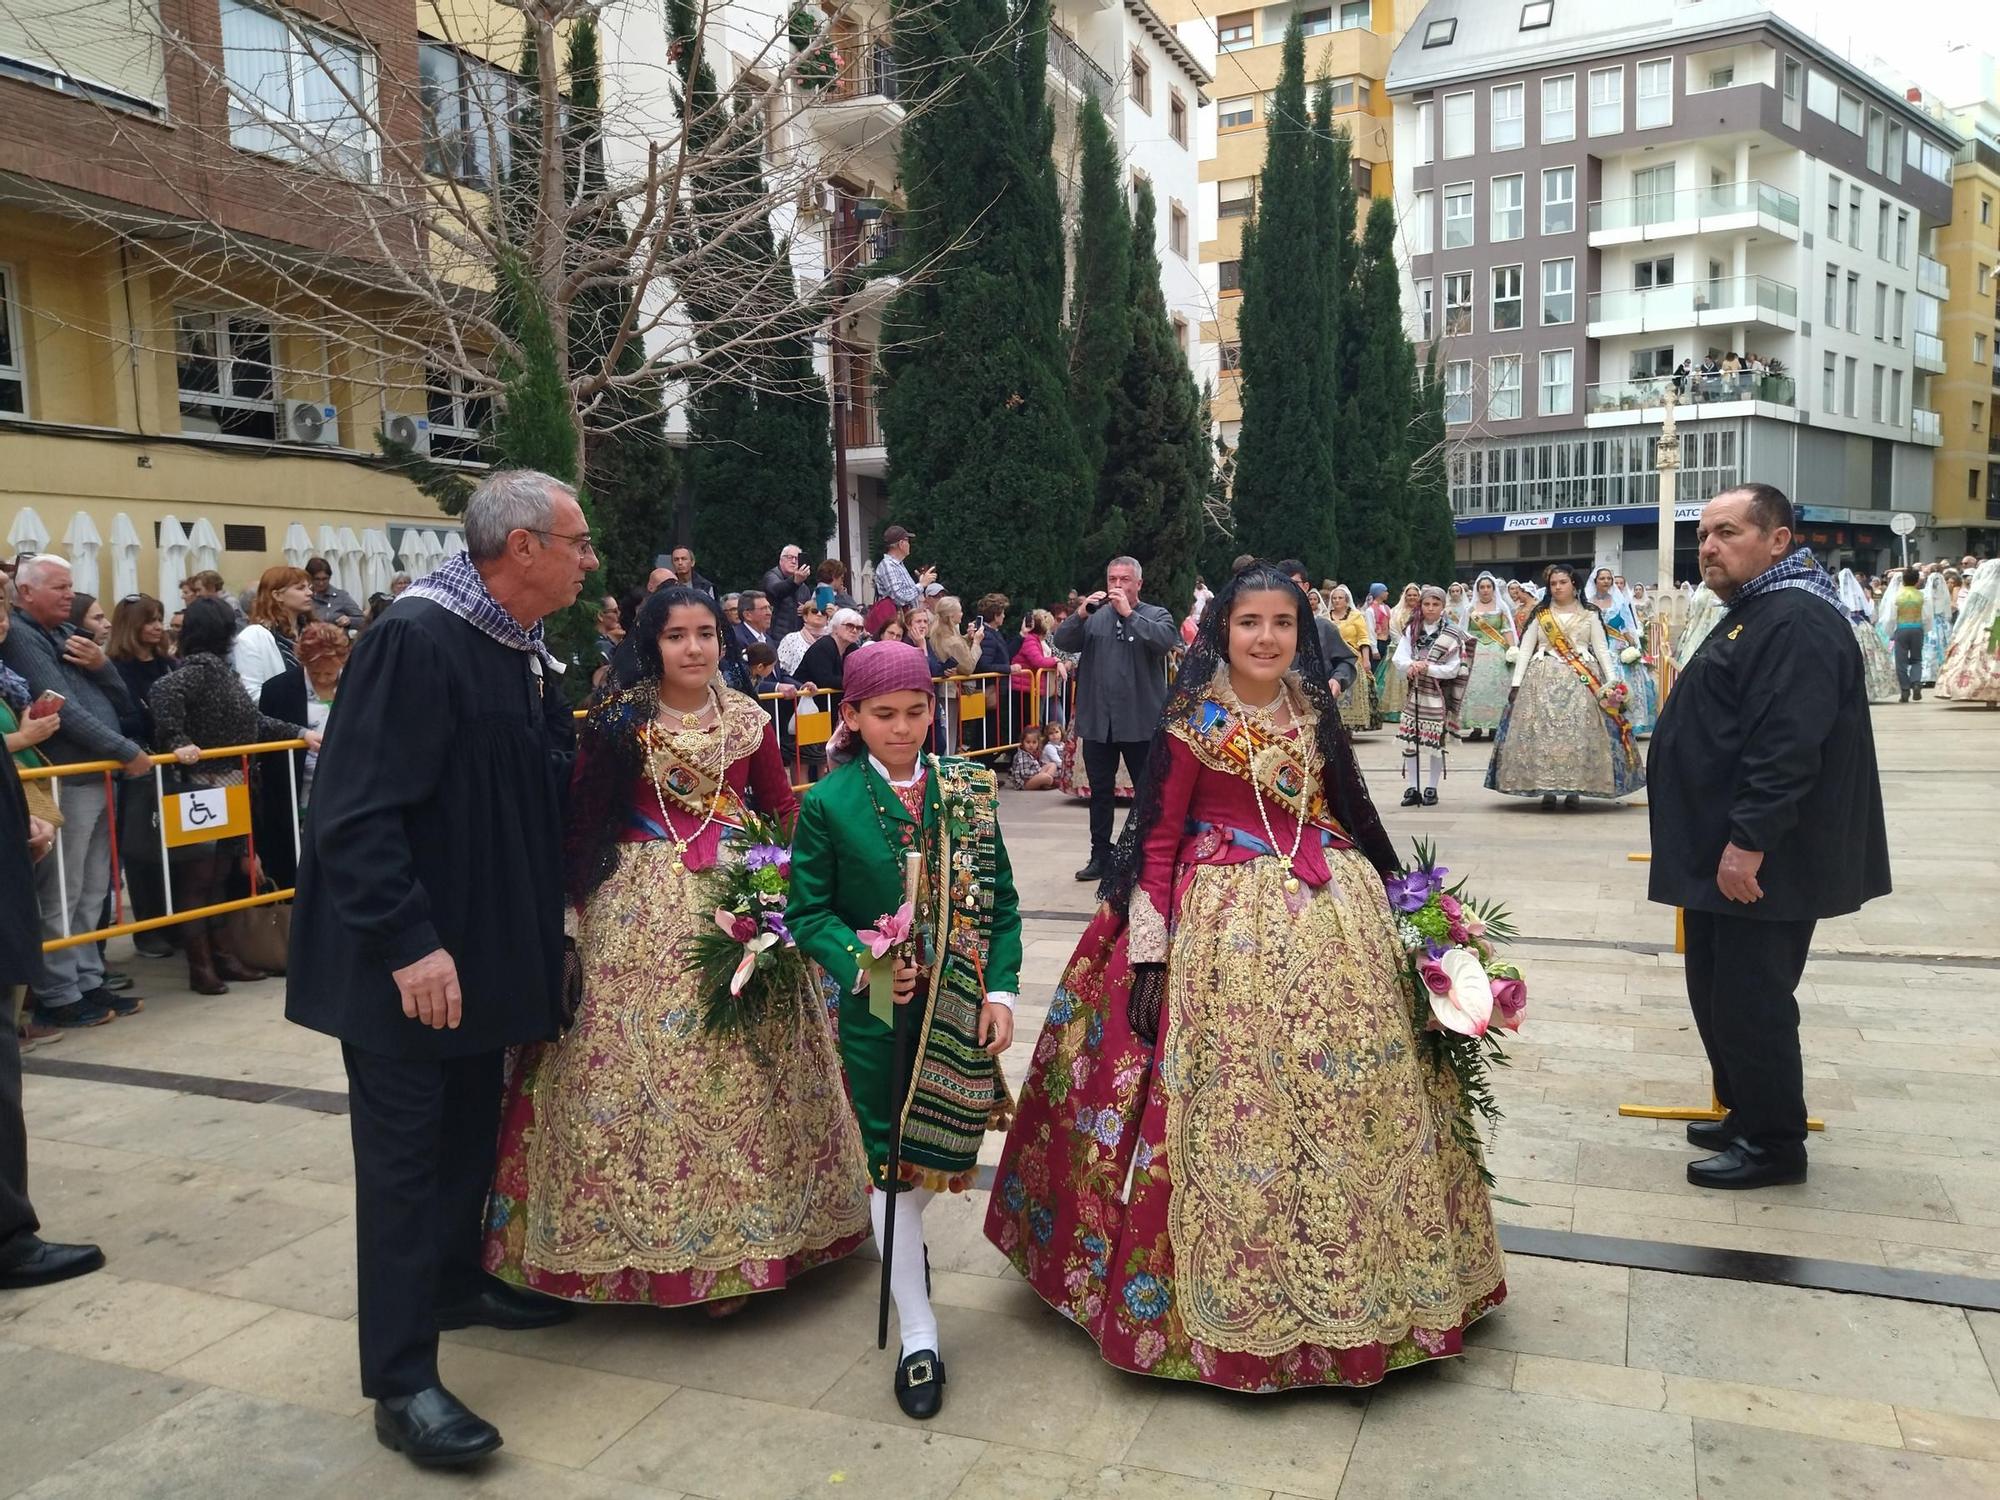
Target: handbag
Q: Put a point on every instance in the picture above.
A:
(42, 804)
(261, 936)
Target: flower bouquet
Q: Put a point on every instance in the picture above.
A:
(1465, 996)
(1513, 655)
(1630, 656)
(751, 969)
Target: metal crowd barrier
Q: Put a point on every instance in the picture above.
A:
(196, 816)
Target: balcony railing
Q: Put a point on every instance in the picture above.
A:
(1932, 277)
(1695, 203)
(862, 427)
(1075, 66)
(1926, 427)
(870, 71)
(1685, 301)
(1929, 350)
(857, 249)
(1688, 390)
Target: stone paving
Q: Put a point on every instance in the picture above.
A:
(216, 1356)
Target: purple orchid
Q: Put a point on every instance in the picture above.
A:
(775, 922)
(1434, 877)
(761, 856)
(1408, 893)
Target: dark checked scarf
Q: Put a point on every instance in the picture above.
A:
(1799, 571)
(457, 586)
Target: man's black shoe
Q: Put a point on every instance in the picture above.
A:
(1430, 796)
(118, 1002)
(70, 1017)
(1746, 1166)
(1091, 871)
(1712, 1135)
(499, 1305)
(1411, 797)
(433, 1429)
(920, 1385)
(28, 1260)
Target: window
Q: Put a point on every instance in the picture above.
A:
(1832, 318)
(1902, 306)
(1985, 209)
(1721, 78)
(244, 538)
(1881, 309)
(1558, 383)
(1458, 215)
(1854, 217)
(13, 371)
(1229, 275)
(1847, 373)
(1503, 387)
(1426, 133)
(1457, 303)
(1458, 390)
(1607, 101)
(1558, 200)
(1854, 302)
(1558, 291)
(1972, 484)
(1181, 333)
(1536, 14)
(1509, 103)
(1849, 113)
(1355, 15)
(1979, 348)
(1893, 166)
(1506, 311)
(1896, 396)
(1881, 228)
(467, 107)
(1420, 225)
(1457, 125)
(1878, 135)
(1426, 311)
(1829, 383)
(1237, 31)
(1440, 33)
(298, 92)
(1235, 197)
(1231, 113)
(1231, 352)
(1177, 119)
(1876, 385)
(1177, 230)
(1794, 83)
(1650, 364)
(1978, 415)
(458, 418)
(1647, 274)
(1832, 207)
(1821, 95)
(1985, 279)
(1653, 194)
(1559, 108)
(1903, 238)
(1316, 22)
(1139, 87)
(1656, 93)
(1505, 199)
(223, 369)
(1930, 158)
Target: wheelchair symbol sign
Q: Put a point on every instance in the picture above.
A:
(205, 809)
(205, 814)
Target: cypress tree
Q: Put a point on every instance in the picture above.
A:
(1154, 448)
(1433, 537)
(1100, 331)
(1284, 491)
(1378, 520)
(984, 461)
(1215, 466)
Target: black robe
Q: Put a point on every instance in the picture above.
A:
(436, 820)
(1765, 741)
(20, 922)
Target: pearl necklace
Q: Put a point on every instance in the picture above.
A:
(1264, 714)
(657, 738)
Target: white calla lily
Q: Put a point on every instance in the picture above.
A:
(1467, 1007)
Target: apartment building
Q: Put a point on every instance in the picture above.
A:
(1967, 393)
(152, 419)
(1347, 41)
(1613, 208)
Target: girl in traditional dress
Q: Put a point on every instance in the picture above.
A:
(1565, 734)
(1626, 637)
(1233, 1038)
(1396, 686)
(1971, 671)
(1937, 631)
(1521, 601)
(1431, 659)
(884, 802)
(642, 1158)
(1457, 605)
(1702, 613)
(1357, 704)
(1879, 670)
(1491, 626)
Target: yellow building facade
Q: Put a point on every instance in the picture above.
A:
(1967, 395)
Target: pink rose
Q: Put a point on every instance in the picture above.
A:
(1458, 932)
(1435, 979)
(1510, 999)
(1449, 906)
(743, 929)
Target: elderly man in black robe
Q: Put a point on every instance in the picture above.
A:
(427, 934)
(1766, 816)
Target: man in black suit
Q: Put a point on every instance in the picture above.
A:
(1767, 816)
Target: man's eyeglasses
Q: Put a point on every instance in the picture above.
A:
(582, 539)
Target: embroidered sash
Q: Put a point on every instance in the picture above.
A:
(956, 1092)
(1286, 771)
(1488, 631)
(1559, 643)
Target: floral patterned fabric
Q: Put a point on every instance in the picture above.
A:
(1486, 688)
(1298, 1214)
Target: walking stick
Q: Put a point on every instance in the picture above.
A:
(913, 864)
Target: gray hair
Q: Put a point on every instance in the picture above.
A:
(509, 501)
(35, 570)
(1127, 562)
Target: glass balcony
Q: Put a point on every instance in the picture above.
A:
(1694, 206)
(1928, 350)
(1081, 71)
(1932, 278)
(1689, 391)
(1926, 428)
(1686, 304)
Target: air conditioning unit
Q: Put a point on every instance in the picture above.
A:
(410, 432)
(312, 423)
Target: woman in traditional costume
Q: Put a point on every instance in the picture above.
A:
(1233, 1038)
(1357, 704)
(1702, 612)
(1937, 631)
(1565, 734)
(1395, 686)
(643, 1158)
(1491, 626)
(1521, 601)
(1972, 661)
(1625, 635)
(1879, 669)
(1432, 659)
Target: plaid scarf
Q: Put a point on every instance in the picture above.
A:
(457, 586)
(1799, 571)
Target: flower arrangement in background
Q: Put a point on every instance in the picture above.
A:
(751, 967)
(1465, 997)
(818, 62)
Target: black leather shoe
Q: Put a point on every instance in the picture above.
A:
(1430, 796)
(28, 1260)
(1746, 1166)
(1712, 1135)
(1411, 796)
(499, 1305)
(920, 1385)
(433, 1429)
(1091, 871)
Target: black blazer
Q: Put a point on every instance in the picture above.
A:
(282, 697)
(20, 923)
(1765, 741)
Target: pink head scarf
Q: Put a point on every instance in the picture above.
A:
(877, 668)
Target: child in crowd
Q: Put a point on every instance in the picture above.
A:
(948, 987)
(1038, 762)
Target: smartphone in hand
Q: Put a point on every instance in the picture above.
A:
(48, 703)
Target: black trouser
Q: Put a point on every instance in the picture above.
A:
(17, 1215)
(1910, 659)
(1742, 979)
(425, 1136)
(1100, 764)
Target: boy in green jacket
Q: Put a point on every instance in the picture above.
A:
(948, 983)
